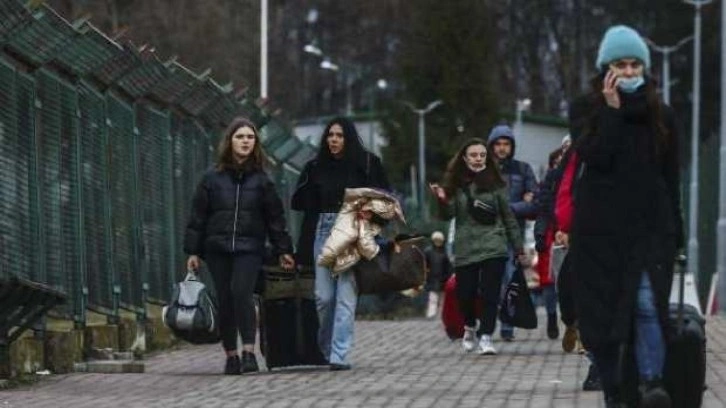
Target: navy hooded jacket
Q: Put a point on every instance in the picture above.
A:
(518, 175)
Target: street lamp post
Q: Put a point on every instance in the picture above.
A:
(263, 49)
(721, 240)
(693, 263)
(522, 105)
(666, 75)
(381, 84)
(421, 153)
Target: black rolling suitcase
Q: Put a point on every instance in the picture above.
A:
(685, 370)
(289, 319)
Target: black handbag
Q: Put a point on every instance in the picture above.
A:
(395, 268)
(516, 308)
(480, 211)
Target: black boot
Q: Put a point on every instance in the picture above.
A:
(592, 382)
(553, 331)
(654, 395)
(249, 362)
(613, 403)
(232, 366)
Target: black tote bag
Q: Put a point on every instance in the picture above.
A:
(516, 308)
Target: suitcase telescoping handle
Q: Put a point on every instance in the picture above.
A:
(680, 263)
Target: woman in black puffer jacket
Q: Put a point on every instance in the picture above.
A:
(235, 209)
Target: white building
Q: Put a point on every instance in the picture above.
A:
(537, 137)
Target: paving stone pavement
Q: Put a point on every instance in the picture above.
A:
(396, 364)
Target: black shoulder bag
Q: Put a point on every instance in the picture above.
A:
(480, 211)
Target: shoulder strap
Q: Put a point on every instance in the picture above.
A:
(467, 193)
(368, 167)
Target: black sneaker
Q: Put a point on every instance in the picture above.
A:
(232, 366)
(339, 367)
(592, 382)
(612, 403)
(249, 362)
(553, 331)
(654, 395)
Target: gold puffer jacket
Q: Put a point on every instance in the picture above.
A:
(352, 237)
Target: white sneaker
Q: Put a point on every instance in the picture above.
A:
(468, 342)
(485, 346)
(433, 305)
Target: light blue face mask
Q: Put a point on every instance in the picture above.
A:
(630, 85)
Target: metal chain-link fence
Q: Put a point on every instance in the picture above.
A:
(102, 145)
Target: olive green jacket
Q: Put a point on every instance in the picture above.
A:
(476, 242)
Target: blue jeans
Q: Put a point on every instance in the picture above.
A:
(649, 343)
(507, 329)
(548, 294)
(336, 299)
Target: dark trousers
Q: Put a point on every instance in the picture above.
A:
(616, 365)
(565, 292)
(481, 279)
(235, 277)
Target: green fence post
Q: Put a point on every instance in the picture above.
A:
(169, 207)
(108, 209)
(137, 248)
(79, 315)
(40, 273)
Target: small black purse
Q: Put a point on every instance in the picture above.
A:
(480, 211)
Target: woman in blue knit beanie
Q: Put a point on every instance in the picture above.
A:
(627, 222)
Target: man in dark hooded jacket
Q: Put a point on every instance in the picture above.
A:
(522, 185)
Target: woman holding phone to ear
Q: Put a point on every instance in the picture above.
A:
(474, 193)
(627, 222)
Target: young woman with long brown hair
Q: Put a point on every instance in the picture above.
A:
(474, 193)
(234, 210)
(627, 221)
(342, 162)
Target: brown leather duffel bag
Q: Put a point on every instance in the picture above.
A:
(398, 267)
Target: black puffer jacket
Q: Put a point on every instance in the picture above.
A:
(235, 212)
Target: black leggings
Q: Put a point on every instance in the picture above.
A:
(480, 279)
(565, 292)
(235, 277)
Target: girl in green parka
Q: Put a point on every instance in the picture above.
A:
(474, 193)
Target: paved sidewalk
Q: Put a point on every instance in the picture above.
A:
(396, 364)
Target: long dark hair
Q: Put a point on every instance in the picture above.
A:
(353, 150)
(225, 157)
(596, 101)
(489, 179)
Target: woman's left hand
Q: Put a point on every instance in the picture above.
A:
(287, 262)
(522, 258)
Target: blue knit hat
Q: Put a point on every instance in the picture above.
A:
(622, 42)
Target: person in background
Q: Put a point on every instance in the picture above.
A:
(554, 218)
(521, 186)
(439, 270)
(544, 237)
(342, 162)
(235, 209)
(475, 195)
